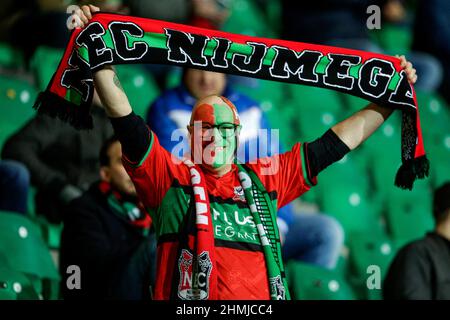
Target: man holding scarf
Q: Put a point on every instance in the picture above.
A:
(214, 218)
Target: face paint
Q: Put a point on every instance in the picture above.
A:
(223, 147)
(216, 150)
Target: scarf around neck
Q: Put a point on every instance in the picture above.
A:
(111, 39)
(128, 210)
(198, 259)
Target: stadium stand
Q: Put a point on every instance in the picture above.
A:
(358, 190)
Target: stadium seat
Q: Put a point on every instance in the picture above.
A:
(173, 77)
(368, 250)
(311, 98)
(350, 201)
(310, 124)
(51, 233)
(246, 18)
(351, 207)
(383, 151)
(394, 38)
(140, 87)
(434, 117)
(10, 57)
(44, 63)
(273, 12)
(24, 249)
(409, 213)
(308, 282)
(351, 103)
(16, 100)
(14, 285)
(439, 171)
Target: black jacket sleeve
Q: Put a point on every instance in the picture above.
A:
(324, 151)
(133, 134)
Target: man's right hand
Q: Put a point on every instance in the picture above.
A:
(84, 14)
(106, 81)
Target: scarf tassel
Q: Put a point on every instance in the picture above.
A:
(411, 170)
(51, 104)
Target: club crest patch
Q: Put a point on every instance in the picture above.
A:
(194, 286)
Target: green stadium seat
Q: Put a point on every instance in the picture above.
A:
(409, 213)
(51, 233)
(310, 124)
(173, 77)
(383, 151)
(44, 63)
(140, 87)
(263, 91)
(351, 201)
(439, 171)
(273, 13)
(14, 285)
(434, 117)
(351, 207)
(368, 250)
(269, 95)
(10, 57)
(24, 249)
(16, 100)
(394, 38)
(311, 98)
(352, 104)
(308, 282)
(314, 111)
(246, 18)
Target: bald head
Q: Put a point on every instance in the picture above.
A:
(215, 110)
(214, 131)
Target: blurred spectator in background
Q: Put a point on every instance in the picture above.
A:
(113, 6)
(62, 160)
(14, 185)
(432, 35)
(106, 234)
(200, 13)
(34, 23)
(312, 238)
(342, 23)
(421, 270)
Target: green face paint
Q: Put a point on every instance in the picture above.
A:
(220, 149)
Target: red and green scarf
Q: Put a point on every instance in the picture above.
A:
(129, 210)
(117, 39)
(197, 257)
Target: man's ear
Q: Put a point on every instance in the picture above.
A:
(105, 174)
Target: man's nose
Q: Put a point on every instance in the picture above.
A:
(216, 135)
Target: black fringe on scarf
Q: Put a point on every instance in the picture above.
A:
(52, 105)
(411, 170)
